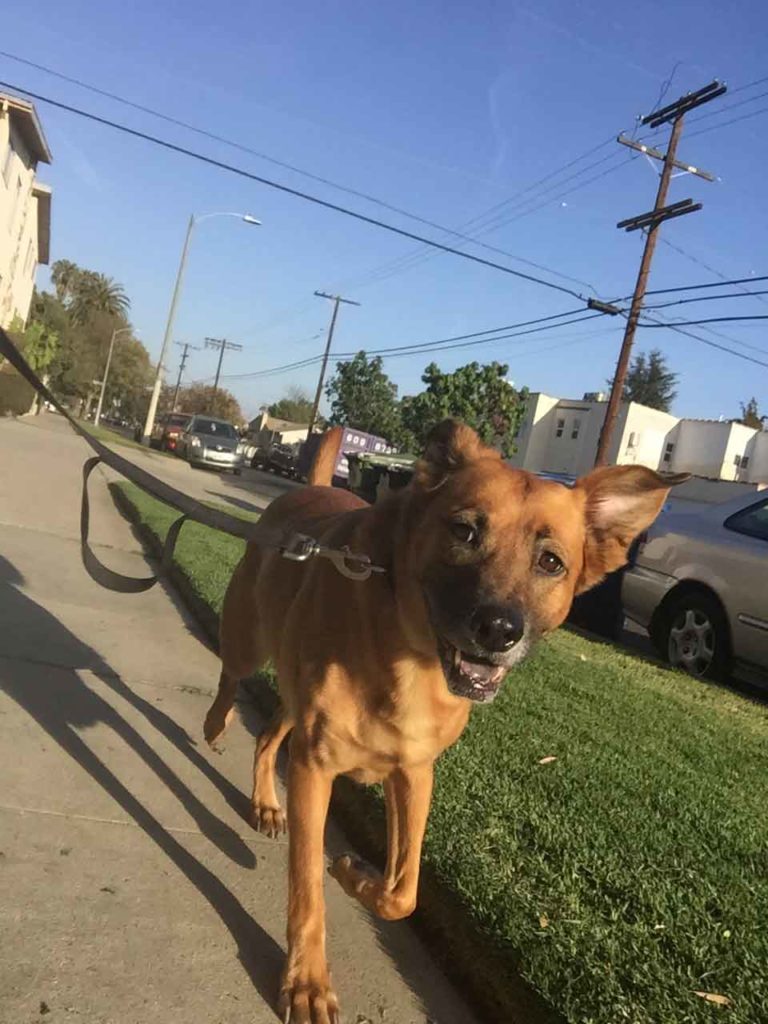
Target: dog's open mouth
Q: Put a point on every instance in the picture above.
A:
(470, 676)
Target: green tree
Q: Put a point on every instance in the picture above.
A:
(363, 396)
(37, 342)
(750, 415)
(650, 382)
(296, 406)
(200, 398)
(479, 395)
(130, 379)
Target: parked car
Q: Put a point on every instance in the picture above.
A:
(168, 429)
(699, 584)
(211, 442)
(258, 455)
(282, 459)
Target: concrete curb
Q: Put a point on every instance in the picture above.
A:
(485, 972)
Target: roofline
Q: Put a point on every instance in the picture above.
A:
(29, 126)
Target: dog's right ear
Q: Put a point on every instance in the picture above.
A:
(451, 445)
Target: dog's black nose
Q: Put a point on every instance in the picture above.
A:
(497, 627)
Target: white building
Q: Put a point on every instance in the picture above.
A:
(559, 435)
(266, 429)
(25, 206)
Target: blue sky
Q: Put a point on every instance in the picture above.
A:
(444, 109)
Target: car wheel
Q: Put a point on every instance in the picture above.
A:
(237, 472)
(692, 634)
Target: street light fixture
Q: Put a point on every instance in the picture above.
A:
(121, 330)
(246, 218)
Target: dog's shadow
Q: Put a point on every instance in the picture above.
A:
(62, 705)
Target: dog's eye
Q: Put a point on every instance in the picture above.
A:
(550, 564)
(463, 531)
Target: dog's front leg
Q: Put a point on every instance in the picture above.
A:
(306, 996)
(408, 793)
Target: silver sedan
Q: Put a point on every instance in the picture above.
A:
(699, 585)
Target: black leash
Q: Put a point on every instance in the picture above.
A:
(296, 547)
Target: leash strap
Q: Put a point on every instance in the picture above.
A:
(296, 546)
(105, 576)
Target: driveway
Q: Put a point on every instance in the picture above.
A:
(133, 891)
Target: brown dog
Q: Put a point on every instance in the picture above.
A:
(378, 677)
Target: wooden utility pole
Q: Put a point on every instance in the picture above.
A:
(651, 221)
(185, 354)
(336, 300)
(222, 345)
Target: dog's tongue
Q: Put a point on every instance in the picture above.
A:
(481, 672)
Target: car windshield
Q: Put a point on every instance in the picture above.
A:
(178, 421)
(214, 427)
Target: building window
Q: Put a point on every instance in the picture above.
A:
(737, 461)
(29, 262)
(668, 452)
(576, 429)
(560, 428)
(744, 461)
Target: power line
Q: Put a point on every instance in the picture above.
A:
(444, 344)
(749, 85)
(713, 332)
(731, 106)
(712, 344)
(280, 187)
(712, 284)
(710, 269)
(714, 320)
(705, 298)
(733, 120)
(205, 133)
(409, 261)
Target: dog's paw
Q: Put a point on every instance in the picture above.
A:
(365, 884)
(353, 874)
(270, 821)
(307, 1000)
(215, 725)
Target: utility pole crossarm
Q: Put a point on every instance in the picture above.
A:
(656, 154)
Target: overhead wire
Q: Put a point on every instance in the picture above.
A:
(289, 190)
(712, 344)
(420, 348)
(312, 176)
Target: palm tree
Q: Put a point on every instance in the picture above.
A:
(97, 293)
(65, 276)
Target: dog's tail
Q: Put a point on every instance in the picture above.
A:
(324, 462)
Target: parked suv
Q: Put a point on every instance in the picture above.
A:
(168, 429)
(699, 584)
(211, 442)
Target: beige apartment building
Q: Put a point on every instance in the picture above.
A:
(25, 206)
(560, 436)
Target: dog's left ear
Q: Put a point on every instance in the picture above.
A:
(621, 502)
(451, 445)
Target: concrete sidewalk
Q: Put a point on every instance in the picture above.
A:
(132, 890)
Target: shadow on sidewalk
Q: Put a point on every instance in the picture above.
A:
(63, 706)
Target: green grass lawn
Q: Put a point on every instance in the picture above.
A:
(623, 876)
(108, 436)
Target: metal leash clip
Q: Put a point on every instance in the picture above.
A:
(300, 548)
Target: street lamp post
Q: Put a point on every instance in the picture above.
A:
(193, 220)
(121, 330)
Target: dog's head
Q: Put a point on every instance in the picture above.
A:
(497, 554)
